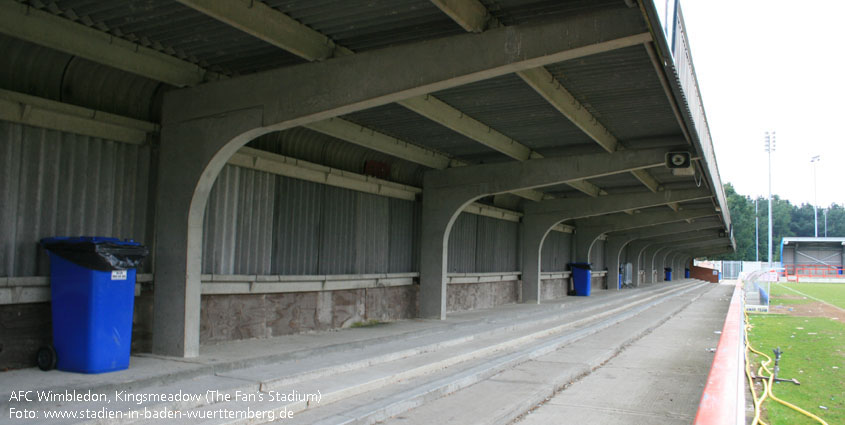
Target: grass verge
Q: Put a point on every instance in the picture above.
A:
(832, 293)
(814, 354)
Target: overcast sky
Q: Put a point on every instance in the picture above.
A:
(773, 66)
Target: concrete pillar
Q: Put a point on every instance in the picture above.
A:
(192, 155)
(534, 231)
(613, 253)
(440, 209)
(651, 264)
(636, 250)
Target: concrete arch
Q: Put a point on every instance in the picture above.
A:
(192, 155)
(440, 209)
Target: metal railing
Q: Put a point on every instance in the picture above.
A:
(796, 272)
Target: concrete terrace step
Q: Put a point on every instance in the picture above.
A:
(479, 346)
(481, 381)
(148, 370)
(426, 375)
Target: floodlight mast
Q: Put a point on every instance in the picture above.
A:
(814, 160)
(770, 147)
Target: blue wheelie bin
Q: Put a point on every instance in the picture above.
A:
(686, 273)
(581, 278)
(668, 274)
(92, 290)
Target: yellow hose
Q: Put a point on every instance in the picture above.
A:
(767, 384)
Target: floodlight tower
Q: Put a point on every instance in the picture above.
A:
(756, 233)
(814, 160)
(770, 147)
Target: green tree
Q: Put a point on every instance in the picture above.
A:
(787, 220)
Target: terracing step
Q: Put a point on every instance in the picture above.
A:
(415, 360)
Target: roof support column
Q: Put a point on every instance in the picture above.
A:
(637, 249)
(613, 252)
(446, 192)
(440, 209)
(535, 228)
(542, 216)
(192, 155)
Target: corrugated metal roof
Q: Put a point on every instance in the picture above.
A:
(177, 30)
(517, 12)
(180, 31)
(362, 25)
(621, 90)
(511, 107)
(404, 124)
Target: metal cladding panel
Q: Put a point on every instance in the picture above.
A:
(372, 233)
(238, 215)
(463, 244)
(556, 252)
(510, 106)
(362, 25)
(308, 145)
(337, 250)
(597, 255)
(622, 91)
(296, 232)
(404, 124)
(63, 184)
(497, 246)
(404, 236)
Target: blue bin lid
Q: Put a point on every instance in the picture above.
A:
(88, 239)
(581, 265)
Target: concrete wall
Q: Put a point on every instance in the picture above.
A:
(473, 296)
(235, 317)
(552, 289)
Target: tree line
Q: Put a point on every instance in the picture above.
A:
(787, 220)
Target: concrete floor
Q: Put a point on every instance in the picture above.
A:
(656, 380)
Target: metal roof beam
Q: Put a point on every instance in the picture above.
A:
(371, 139)
(268, 24)
(491, 179)
(571, 208)
(454, 119)
(301, 94)
(616, 223)
(27, 23)
(473, 16)
(544, 83)
(39, 112)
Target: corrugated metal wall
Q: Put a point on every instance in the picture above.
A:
(260, 223)
(480, 244)
(62, 184)
(556, 252)
(597, 255)
(56, 184)
(238, 219)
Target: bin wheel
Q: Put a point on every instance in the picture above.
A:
(46, 357)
